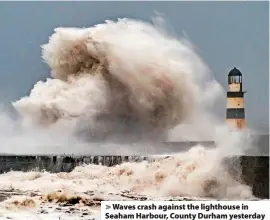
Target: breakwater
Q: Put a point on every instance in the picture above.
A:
(59, 163)
(252, 170)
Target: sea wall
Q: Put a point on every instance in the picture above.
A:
(252, 170)
(57, 164)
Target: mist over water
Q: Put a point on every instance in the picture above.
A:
(118, 83)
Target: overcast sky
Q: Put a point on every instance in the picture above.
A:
(227, 34)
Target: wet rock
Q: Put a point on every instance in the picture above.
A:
(66, 205)
(43, 212)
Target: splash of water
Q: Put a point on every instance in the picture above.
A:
(124, 76)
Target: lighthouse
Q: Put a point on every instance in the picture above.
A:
(235, 115)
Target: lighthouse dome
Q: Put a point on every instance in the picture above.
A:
(235, 72)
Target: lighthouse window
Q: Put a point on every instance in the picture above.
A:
(235, 79)
(232, 79)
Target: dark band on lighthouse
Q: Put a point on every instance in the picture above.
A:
(235, 94)
(235, 113)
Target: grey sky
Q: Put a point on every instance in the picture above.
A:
(227, 34)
